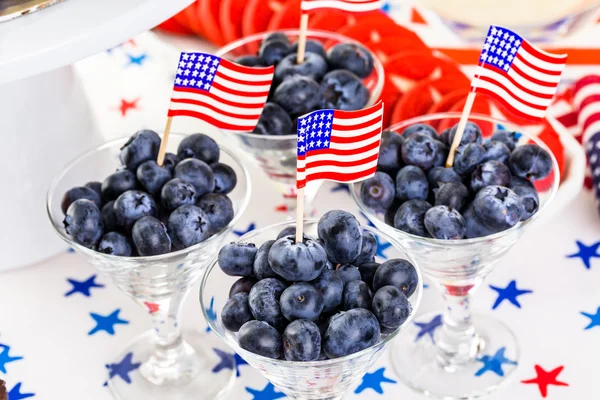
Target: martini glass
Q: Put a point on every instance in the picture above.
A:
(455, 362)
(169, 366)
(315, 380)
(276, 155)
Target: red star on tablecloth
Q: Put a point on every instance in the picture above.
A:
(545, 378)
(127, 105)
(152, 307)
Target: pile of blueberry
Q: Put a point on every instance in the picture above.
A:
(145, 209)
(319, 299)
(325, 80)
(488, 189)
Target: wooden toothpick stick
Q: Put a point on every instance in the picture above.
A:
(163, 144)
(460, 129)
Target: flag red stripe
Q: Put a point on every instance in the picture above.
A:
(240, 93)
(246, 70)
(340, 114)
(514, 82)
(554, 59)
(495, 82)
(212, 121)
(590, 120)
(366, 124)
(569, 119)
(532, 79)
(537, 68)
(334, 163)
(505, 104)
(588, 100)
(337, 152)
(242, 81)
(217, 109)
(353, 139)
(220, 99)
(336, 176)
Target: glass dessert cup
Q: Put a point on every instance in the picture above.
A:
(452, 363)
(315, 380)
(276, 155)
(169, 366)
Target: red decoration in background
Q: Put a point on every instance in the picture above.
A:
(416, 17)
(545, 378)
(127, 105)
(152, 307)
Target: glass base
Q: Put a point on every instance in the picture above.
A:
(416, 363)
(205, 370)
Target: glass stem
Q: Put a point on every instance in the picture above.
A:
(457, 341)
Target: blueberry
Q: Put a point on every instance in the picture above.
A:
(225, 178)
(341, 235)
(411, 183)
(219, 210)
(368, 249)
(331, 287)
(391, 307)
(274, 120)
(452, 194)
(420, 128)
(287, 231)
(410, 217)
(444, 135)
(390, 152)
(350, 332)
(342, 90)
(398, 273)
(529, 200)
(419, 149)
(298, 95)
(198, 173)
(351, 57)
(188, 225)
(176, 193)
(301, 301)
(273, 51)
(142, 146)
(133, 205)
(261, 266)
(116, 184)
(170, 161)
(348, 272)
(438, 175)
(250, 61)
(276, 36)
(259, 338)
(301, 341)
(297, 262)
(468, 157)
(199, 146)
(116, 244)
(441, 154)
(237, 259)
(242, 285)
(496, 150)
(471, 134)
(80, 192)
(378, 192)
(95, 186)
(236, 312)
(357, 295)
(498, 207)
(152, 177)
(516, 181)
(367, 272)
(443, 222)
(83, 222)
(264, 302)
(489, 173)
(108, 217)
(531, 162)
(312, 46)
(150, 237)
(474, 226)
(314, 66)
(508, 138)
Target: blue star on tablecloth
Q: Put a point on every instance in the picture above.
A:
(510, 293)
(15, 393)
(228, 361)
(211, 313)
(428, 328)
(494, 363)
(586, 253)
(83, 287)
(268, 393)
(137, 60)
(242, 232)
(382, 245)
(6, 358)
(373, 381)
(107, 323)
(122, 368)
(594, 319)
(341, 187)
